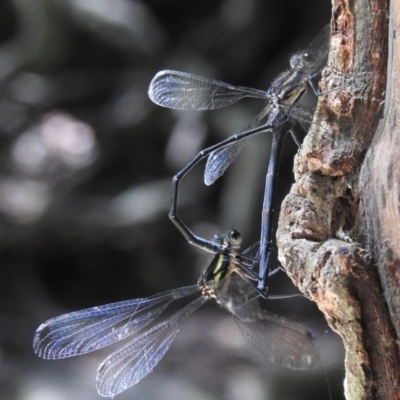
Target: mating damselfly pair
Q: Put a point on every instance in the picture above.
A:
(235, 279)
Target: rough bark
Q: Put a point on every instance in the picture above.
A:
(338, 234)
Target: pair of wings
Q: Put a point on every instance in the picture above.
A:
(278, 339)
(183, 91)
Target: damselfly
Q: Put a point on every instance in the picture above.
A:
(183, 91)
(280, 340)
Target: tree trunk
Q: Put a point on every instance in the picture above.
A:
(338, 235)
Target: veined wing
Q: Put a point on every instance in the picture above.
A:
(132, 362)
(314, 57)
(183, 91)
(302, 114)
(278, 339)
(219, 160)
(81, 332)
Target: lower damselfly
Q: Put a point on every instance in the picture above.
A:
(278, 339)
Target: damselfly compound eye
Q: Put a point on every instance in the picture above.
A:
(235, 237)
(294, 60)
(217, 238)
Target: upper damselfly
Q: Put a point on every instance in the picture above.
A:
(183, 91)
(280, 340)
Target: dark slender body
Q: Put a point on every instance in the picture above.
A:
(268, 210)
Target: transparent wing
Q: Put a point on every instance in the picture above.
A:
(251, 256)
(219, 160)
(252, 251)
(132, 362)
(304, 115)
(314, 57)
(183, 91)
(278, 339)
(87, 330)
(283, 342)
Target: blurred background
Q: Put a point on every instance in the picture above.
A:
(86, 162)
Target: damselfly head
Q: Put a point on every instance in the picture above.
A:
(228, 241)
(295, 59)
(301, 59)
